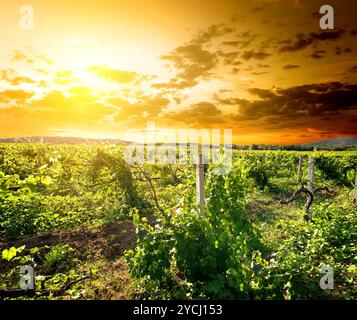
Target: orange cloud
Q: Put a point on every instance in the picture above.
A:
(113, 74)
(19, 95)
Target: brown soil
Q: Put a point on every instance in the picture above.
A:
(110, 240)
(102, 247)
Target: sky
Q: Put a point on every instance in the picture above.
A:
(96, 69)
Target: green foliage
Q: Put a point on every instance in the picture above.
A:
(45, 188)
(340, 169)
(187, 255)
(59, 257)
(254, 165)
(180, 253)
(28, 214)
(293, 270)
(9, 254)
(52, 267)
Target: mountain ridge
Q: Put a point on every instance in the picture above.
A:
(341, 141)
(61, 140)
(337, 142)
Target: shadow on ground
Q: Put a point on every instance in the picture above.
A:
(109, 241)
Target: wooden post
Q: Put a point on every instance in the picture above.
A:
(200, 183)
(263, 166)
(311, 181)
(263, 161)
(355, 192)
(299, 172)
(311, 175)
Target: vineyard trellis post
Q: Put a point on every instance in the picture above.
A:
(355, 191)
(299, 169)
(200, 183)
(311, 181)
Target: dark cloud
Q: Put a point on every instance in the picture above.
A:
(202, 113)
(352, 69)
(300, 102)
(262, 93)
(229, 58)
(339, 50)
(257, 55)
(274, 22)
(258, 8)
(263, 5)
(194, 61)
(208, 34)
(300, 43)
(263, 65)
(318, 54)
(242, 40)
(259, 73)
(291, 66)
(234, 43)
(327, 34)
(175, 84)
(303, 41)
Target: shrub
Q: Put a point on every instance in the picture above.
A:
(59, 257)
(293, 269)
(186, 255)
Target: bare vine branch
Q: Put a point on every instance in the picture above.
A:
(13, 293)
(148, 178)
(309, 196)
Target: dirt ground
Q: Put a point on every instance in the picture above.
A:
(102, 248)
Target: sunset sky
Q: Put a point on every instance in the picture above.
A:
(263, 68)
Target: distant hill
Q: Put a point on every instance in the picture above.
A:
(62, 140)
(337, 142)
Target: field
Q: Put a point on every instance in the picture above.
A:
(93, 227)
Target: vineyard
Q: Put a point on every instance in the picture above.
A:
(94, 227)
